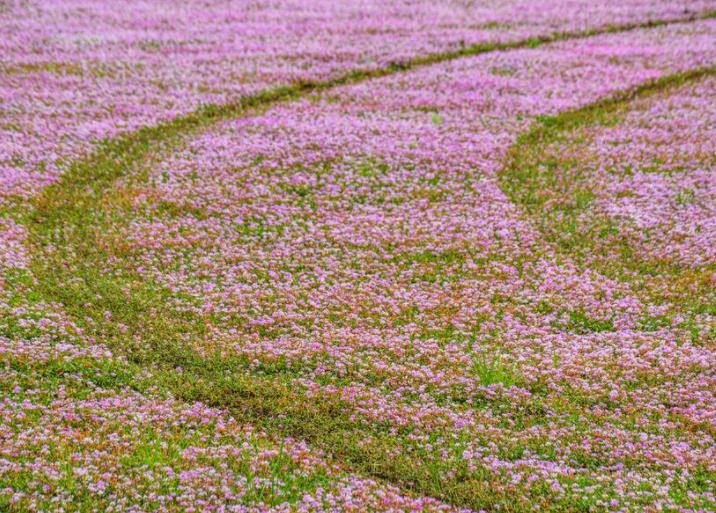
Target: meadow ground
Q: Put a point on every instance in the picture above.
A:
(312, 256)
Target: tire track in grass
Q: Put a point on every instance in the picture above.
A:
(67, 264)
(534, 177)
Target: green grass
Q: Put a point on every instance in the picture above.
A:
(492, 371)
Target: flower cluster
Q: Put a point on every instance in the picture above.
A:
(660, 183)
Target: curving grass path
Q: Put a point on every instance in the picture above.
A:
(545, 176)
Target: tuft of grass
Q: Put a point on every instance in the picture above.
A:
(581, 323)
(495, 371)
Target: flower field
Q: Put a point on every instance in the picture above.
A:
(313, 256)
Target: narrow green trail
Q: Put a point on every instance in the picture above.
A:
(554, 191)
